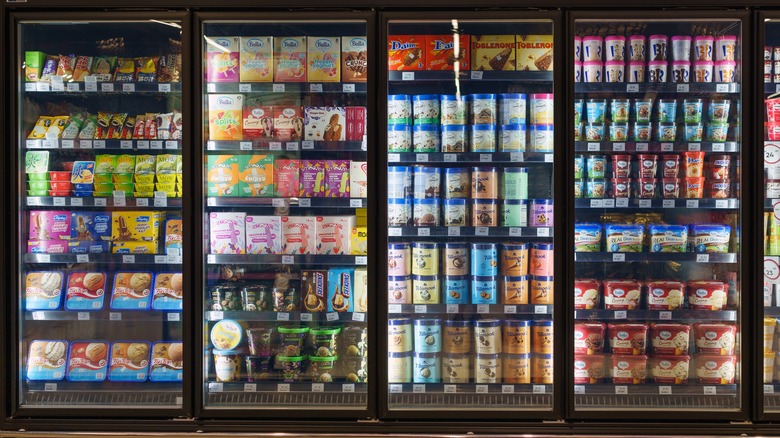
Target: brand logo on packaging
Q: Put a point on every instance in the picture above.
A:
(289, 44)
(395, 45)
(255, 42)
(323, 44)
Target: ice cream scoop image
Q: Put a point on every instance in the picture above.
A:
(633, 297)
(674, 299)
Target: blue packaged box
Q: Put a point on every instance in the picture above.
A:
(129, 362)
(341, 289)
(86, 291)
(167, 362)
(87, 361)
(90, 225)
(43, 290)
(167, 293)
(132, 291)
(89, 247)
(46, 360)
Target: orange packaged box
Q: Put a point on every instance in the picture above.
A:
(225, 116)
(440, 52)
(406, 52)
(492, 52)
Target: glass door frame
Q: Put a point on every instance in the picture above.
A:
(747, 270)
(556, 412)
(199, 252)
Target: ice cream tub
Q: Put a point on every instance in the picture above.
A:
(629, 369)
(541, 107)
(427, 182)
(715, 338)
(596, 188)
(711, 238)
(707, 294)
(454, 110)
(399, 289)
(399, 335)
(517, 368)
(614, 71)
(46, 360)
(456, 289)
(636, 71)
(426, 138)
(427, 335)
(589, 369)
(620, 187)
(725, 47)
(542, 337)
(628, 338)
(624, 238)
(514, 259)
(542, 369)
(671, 188)
(719, 189)
(511, 138)
(665, 295)
(87, 361)
(670, 338)
(514, 290)
(455, 213)
(596, 166)
(668, 238)
(594, 132)
(399, 212)
(324, 341)
(621, 294)
(718, 110)
(703, 48)
(669, 369)
(615, 48)
(425, 258)
(399, 367)
(484, 183)
(702, 71)
(129, 362)
(591, 48)
(516, 336)
(681, 71)
(399, 109)
(670, 166)
(541, 213)
(484, 290)
(717, 132)
(541, 262)
(725, 71)
(589, 337)
(656, 71)
(426, 212)
(621, 166)
(399, 138)
(292, 340)
(487, 336)
(425, 289)
(290, 367)
(693, 164)
(514, 213)
(514, 183)
(487, 368)
(541, 290)
(484, 259)
(483, 138)
(693, 132)
(512, 109)
(399, 182)
(587, 237)
(456, 368)
(85, 290)
(541, 138)
(455, 258)
(715, 370)
(483, 109)
(618, 132)
(454, 138)
(642, 131)
(586, 294)
(43, 290)
(658, 47)
(456, 337)
(425, 109)
(484, 213)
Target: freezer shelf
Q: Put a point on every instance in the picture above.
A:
(658, 87)
(75, 201)
(657, 315)
(271, 387)
(103, 315)
(496, 400)
(469, 231)
(288, 202)
(480, 309)
(287, 87)
(468, 388)
(141, 146)
(94, 87)
(654, 257)
(107, 394)
(655, 146)
(700, 203)
(286, 316)
(468, 76)
(116, 259)
(470, 157)
(265, 259)
(305, 146)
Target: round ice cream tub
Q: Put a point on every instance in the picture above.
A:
(399, 290)
(456, 368)
(425, 138)
(484, 290)
(707, 294)
(693, 132)
(322, 369)
(596, 165)
(702, 71)
(594, 132)
(425, 109)
(399, 109)
(624, 238)
(681, 48)
(643, 131)
(670, 166)
(484, 183)
(591, 48)
(618, 132)
(399, 335)
(514, 183)
(636, 71)
(427, 335)
(455, 213)
(227, 365)
(425, 289)
(718, 110)
(514, 259)
(399, 182)
(656, 71)
(615, 48)
(456, 337)
(629, 369)
(511, 138)
(614, 71)
(671, 188)
(719, 189)
(487, 336)
(425, 258)
(669, 338)
(542, 369)
(512, 109)
(589, 337)
(426, 212)
(711, 238)
(484, 213)
(636, 47)
(587, 294)
(621, 294)
(693, 164)
(596, 188)
(487, 368)
(483, 109)
(542, 336)
(587, 237)
(454, 138)
(725, 47)
(647, 165)
(456, 289)
(541, 290)
(514, 213)
(666, 111)
(596, 110)
(483, 138)
(715, 338)
(725, 71)
(541, 107)
(454, 111)
(589, 369)
(717, 132)
(227, 334)
(516, 336)
(620, 187)
(668, 238)
(665, 295)
(541, 138)
(628, 338)
(259, 368)
(658, 47)
(399, 367)
(542, 259)
(427, 182)
(692, 110)
(669, 369)
(399, 138)
(541, 213)
(484, 259)
(324, 341)
(399, 259)
(715, 370)
(399, 212)
(457, 183)
(577, 49)
(517, 368)
(292, 340)
(456, 258)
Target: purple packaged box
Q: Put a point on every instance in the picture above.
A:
(337, 179)
(47, 246)
(312, 179)
(49, 225)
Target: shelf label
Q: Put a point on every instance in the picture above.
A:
(307, 144)
(355, 203)
(621, 389)
(665, 315)
(107, 87)
(450, 389)
(515, 231)
(215, 387)
(548, 158)
(482, 389)
(332, 316)
(393, 158)
(76, 202)
(144, 144)
(769, 389)
(67, 144)
(30, 86)
(620, 314)
(57, 85)
(283, 387)
(292, 146)
(544, 232)
(668, 203)
(702, 258)
(44, 258)
(217, 316)
(418, 389)
(58, 201)
(128, 88)
(641, 147)
(361, 260)
(283, 316)
(485, 158)
(718, 147)
(211, 88)
(423, 231)
(692, 203)
(618, 257)
(156, 144)
(722, 88)
(594, 147)
(694, 146)
(420, 308)
(665, 390)
(393, 231)
(288, 260)
(516, 157)
(483, 308)
(540, 309)
(450, 158)
(667, 147)
(275, 145)
(608, 203)
(397, 389)
(90, 83)
(710, 390)
(33, 201)
(82, 258)
(317, 387)
(682, 88)
(278, 88)
(211, 258)
(596, 203)
(313, 88)
(476, 75)
(393, 308)
(348, 88)
(83, 316)
(278, 202)
(359, 317)
(423, 158)
(160, 199)
(721, 203)
(539, 389)
(453, 231)
(645, 203)
(304, 202)
(510, 309)
(166, 88)
(125, 144)
(141, 202)
(579, 389)
(85, 144)
(618, 147)
(245, 146)
(250, 387)
(100, 202)
(174, 317)
(38, 316)
(452, 308)
(115, 316)
(306, 317)
(128, 258)
(49, 144)
(50, 387)
(407, 76)
(72, 86)
(119, 198)
(171, 144)
(632, 88)
(507, 389)
(246, 88)
(481, 231)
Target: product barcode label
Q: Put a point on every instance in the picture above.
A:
(58, 201)
(539, 389)
(596, 203)
(107, 87)
(540, 309)
(332, 316)
(68, 144)
(667, 147)
(482, 389)
(144, 144)
(304, 202)
(450, 158)
(545, 232)
(769, 389)
(100, 202)
(246, 88)
(450, 389)
(306, 317)
(141, 202)
(718, 147)
(83, 316)
(485, 158)
(358, 316)
(423, 158)
(507, 389)
(407, 76)
(50, 387)
(393, 308)
(291, 145)
(307, 144)
(645, 203)
(722, 88)
(288, 260)
(694, 146)
(174, 317)
(668, 203)
(515, 231)
(608, 203)
(710, 390)
(275, 145)
(393, 231)
(579, 389)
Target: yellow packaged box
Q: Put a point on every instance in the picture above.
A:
(166, 164)
(145, 164)
(256, 59)
(534, 52)
(135, 247)
(324, 59)
(225, 116)
(138, 226)
(492, 52)
(359, 240)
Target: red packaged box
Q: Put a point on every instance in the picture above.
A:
(258, 120)
(440, 52)
(406, 52)
(288, 122)
(356, 123)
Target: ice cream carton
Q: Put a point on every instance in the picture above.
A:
(440, 52)
(87, 361)
(167, 362)
(105, 163)
(323, 59)
(227, 233)
(49, 225)
(354, 59)
(287, 178)
(135, 247)
(341, 289)
(359, 240)
(256, 175)
(125, 164)
(174, 237)
(337, 183)
(225, 116)
(263, 235)
(356, 123)
(299, 235)
(129, 362)
(89, 247)
(132, 291)
(46, 360)
(144, 165)
(361, 290)
(288, 122)
(222, 177)
(258, 119)
(86, 291)
(325, 123)
(358, 179)
(43, 290)
(314, 290)
(405, 52)
(33, 65)
(90, 225)
(334, 234)
(47, 246)
(492, 52)
(36, 162)
(136, 226)
(290, 59)
(166, 164)
(222, 57)
(256, 59)
(312, 179)
(83, 172)
(534, 52)
(168, 291)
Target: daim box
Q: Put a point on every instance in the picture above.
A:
(440, 52)
(406, 52)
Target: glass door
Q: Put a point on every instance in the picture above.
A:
(99, 224)
(285, 165)
(657, 136)
(470, 215)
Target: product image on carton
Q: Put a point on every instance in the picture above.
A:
(222, 58)
(227, 233)
(288, 122)
(492, 52)
(312, 179)
(440, 52)
(167, 362)
(138, 226)
(222, 175)
(132, 291)
(256, 175)
(90, 225)
(534, 52)
(337, 183)
(354, 59)
(49, 225)
(87, 361)
(299, 235)
(358, 179)
(129, 362)
(334, 234)
(36, 162)
(46, 360)
(258, 119)
(325, 123)
(263, 235)
(43, 290)
(314, 290)
(174, 237)
(287, 178)
(405, 52)
(323, 59)
(168, 291)
(256, 59)
(225, 116)
(290, 59)
(86, 291)
(341, 289)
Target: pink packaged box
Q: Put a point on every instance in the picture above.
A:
(337, 179)
(47, 246)
(333, 234)
(312, 179)
(227, 235)
(222, 54)
(287, 177)
(49, 225)
(288, 122)
(263, 235)
(299, 235)
(356, 123)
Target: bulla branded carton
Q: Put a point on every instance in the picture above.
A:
(256, 59)
(299, 235)
(358, 179)
(440, 52)
(361, 290)
(227, 233)
(323, 59)
(290, 59)
(258, 119)
(334, 234)
(222, 176)
(288, 122)
(255, 175)
(222, 58)
(337, 179)
(263, 235)
(225, 116)
(534, 52)
(354, 59)
(405, 52)
(287, 177)
(493, 52)
(325, 123)
(341, 289)
(312, 179)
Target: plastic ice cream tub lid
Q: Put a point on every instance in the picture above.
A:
(398, 97)
(483, 96)
(399, 201)
(325, 330)
(515, 201)
(427, 201)
(539, 278)
(512, 128)
(323, 359)
(542, 96)
(293, 329)
(399, 168)
(399, 321)
(516, 170)
(517, 323)
(483, 278)
(425, 277)
(427, 355)
(542, 127)
(511, 96)
(487, 323)
(425, 245)
(695, 228)
(448, 245)
(426, 97)
(455, 323)
(543, 323)
(453, 97)
(542, 201)
(399, 278)
(487, 356)
(484, 246)
(543, 246)
(514, 246)
(427, 321)
(398, 245)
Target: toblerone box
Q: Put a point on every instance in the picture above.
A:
(493, 52)
(440, 52)
(290, 59)
(406, 52)
(256, 59)
(256, 175)
(534, 52)
(354, 59)
(225, 116)
(323, 59)
(222, 175)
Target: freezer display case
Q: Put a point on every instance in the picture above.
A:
(285, 181)
(99, 232)
(470, 215)
(657, 136)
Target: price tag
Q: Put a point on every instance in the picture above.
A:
(481, 231)
(702, 258)
(85, 144)
(83, 316)
(482, 389)
(769, 389)
(393, 158)
(396, 389)
(668, 203)
(665, 315)
(307, 145)
(722, 88)
(516, 157)
(579, 389)
(108, 87)
(450, 389)
(278, 88)
(356, 203)
(217, 316)
(44, 258)
(450, 158)
(173, 259)
(174, 317)
(67, 144)
(99, 144)
(483, 308)
(50, 144)
(359, 316)
(620, 314)
(692, 203)
(596, 203)
(515, 231)
(211, 88)
(211, 258)
(275, 145)
(545, 232)
(125, 144)
(549, 158)
(682, 88)
(594, 147)
(418, 389)
(30, 86)
(288, 260)
(452, 308)
(313, 88)
(621, 389)
(160, 259)
(539, 389)
(348, 88)
(485, 158)
(292, 145)
(641, 147)
(278, 202)
(476, 75)
(32, 144)
(721, 203)
(632, 88)
(694, 146)
(618, 147)
(128, 88)
(453, 231)
(244, 88)
(361, 260)
(306, 317)
(250, 387)
(38, 316)
(304, 202)
(99, 202)
(317, 387)
(141, 202)
(618, 257)
(115, 316)
(245, 146)
(143, 144)
(667, 147)
(171, 144)
(608, 203)
(540, 309)
(90, 85)
(510, 309)
(58, 85)
(423, 158)
(645, 203)
(283, 387)
(718, 147)
(58, 202)
(156, 144)
(393, 231)
(72, 86)
(332, 317)
(128, 258)
(33, 201)
(50, 387)
(665, 390)
(420, 308)
(283, 316)
(160, 199)
(82, 258)
(166, 88)
(507, 389)
(710, 390)
(423, 231)
(215, 387)
(393, 308)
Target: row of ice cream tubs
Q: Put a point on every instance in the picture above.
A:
(653, 295)
(624, 110)
(698, 238)
(620, 369)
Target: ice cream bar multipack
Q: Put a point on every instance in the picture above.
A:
(337, 183)
(312, 179)
(325, 123)
(314, 290)
(440, 52)
(493, 52)
(290, 59)
(137, 226)
(354, 59)
(258, 119)
(49, 225)
(356, 123)
(334, 234)
(227, 233)
(263, 235)
(222, 175)
(287, 177)
(341, 289)
(358, 179)
(534, 52)
(299, 235)
(222, 57)
(90, 225)
(405, 52)
(288, 122)
(256, 59)
(256, 175)
(322, 59)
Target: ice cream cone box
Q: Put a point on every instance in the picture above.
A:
(136, 226)
(337, 184)
(87, 361)
(323, 59)
(256, 59)
(361, 290)
(312, 179)
(168, 291)
(43, 290)
(222, 55)
(341, 289)
(86, 291)
(325, 123)
(49, 225)
(90, 225)
(299, 235)
(290, 59)
(258, 119)
(534, 52)
(358, 179)
(440, 52)
(405, 52)
(227, 233)
(263, 235)
(493, 52)
(287, 177)
(225, 116)
(256, 175)
(288, 122)
(129, 362)
(354, 59)
(359, 242)
(334, 234)
(222, 175)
